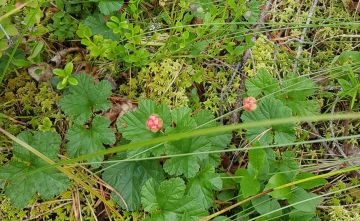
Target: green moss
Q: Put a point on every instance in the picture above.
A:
(263, 56)
(344, 214)
(29, 101)
(335, 209)
(170, 82)
(166, 82)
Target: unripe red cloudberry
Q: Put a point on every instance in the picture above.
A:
(249, 103)
(154, 123)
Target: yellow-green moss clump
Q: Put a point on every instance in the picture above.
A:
(343, 214)
(166, 82)
(29, 101)
(170, 82)
(265, 54)
(338, 206)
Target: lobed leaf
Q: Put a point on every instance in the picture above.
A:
(85, 98)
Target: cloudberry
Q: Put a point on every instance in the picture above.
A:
(154, 123)
(249, 103)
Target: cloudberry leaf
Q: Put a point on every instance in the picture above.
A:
(277, 180)
(288, 165)
(249, 186)
(182, 119)
(311, 183)
(167, 201)
(107, 7)
(128, 178)
(203, 184)
(258, 164)
(24, 180)
(296, 93)
(263, 82)
(187, 165)
(270, 108)
(270, 208)
(85, 98)
(84, 140)
(297, 215)
(205, 119)
(309, 201)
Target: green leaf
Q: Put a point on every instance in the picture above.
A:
(205, 119)
(83, 30)
(84, 140)
(277, 180)
(297, 215)
(24, 180)
(107, 6)
(266, 206)
(73, 81)
(258, 160)
(61, 85)
(270, 108)
(249, 186)
(86, 98)
(36, 50)
(98, 26)
(254, 7)
(311, 183)
(186, 165)
(182, 119)
(59, 72)
(167, 201)
(164, 195)
(309, 201)
(68, 68)
(288, 165)
(303, 107)
(203, 184)
(263, 82)
(296, 91)
(129, 177)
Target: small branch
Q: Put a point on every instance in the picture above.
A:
(308, 20)
(12, 119)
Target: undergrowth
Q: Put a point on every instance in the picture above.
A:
(97, 92)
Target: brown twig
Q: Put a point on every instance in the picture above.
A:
(13, 120)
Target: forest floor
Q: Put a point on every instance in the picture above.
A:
(180, 110)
